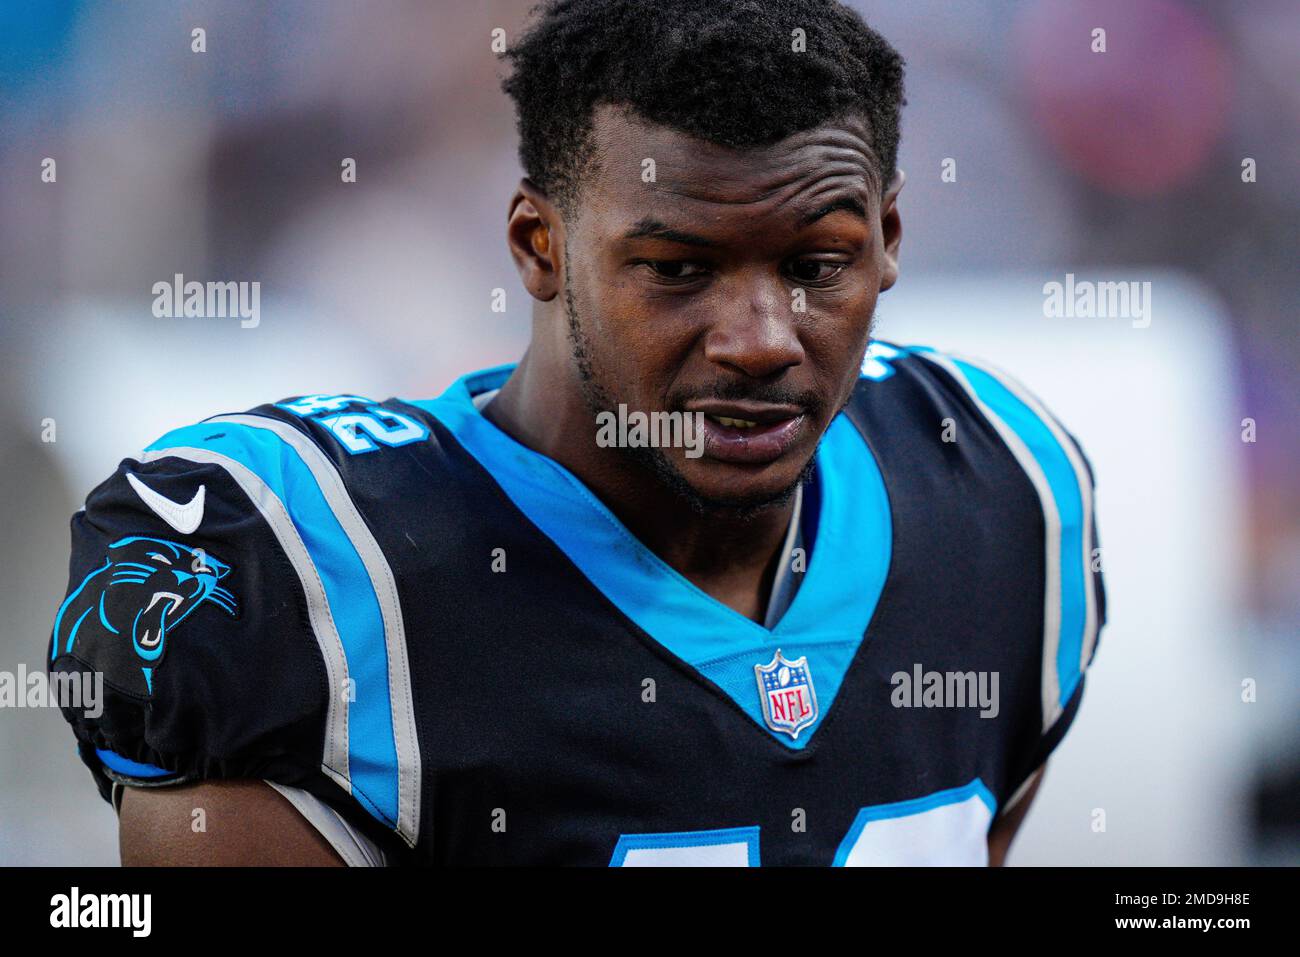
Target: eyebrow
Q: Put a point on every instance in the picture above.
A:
(847, 204)
(649, 227)
(652, 228)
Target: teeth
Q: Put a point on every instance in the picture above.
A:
(733, 423)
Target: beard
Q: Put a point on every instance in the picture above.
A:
(599, 398)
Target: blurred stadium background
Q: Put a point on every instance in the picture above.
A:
(1125, 165)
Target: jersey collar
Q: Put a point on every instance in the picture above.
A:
(828, 618)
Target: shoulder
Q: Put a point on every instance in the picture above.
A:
(296, 469)
(232, 601)
(992, 396)
(964, 434)
(336, 424)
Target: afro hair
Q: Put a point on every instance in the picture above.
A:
(731, 72)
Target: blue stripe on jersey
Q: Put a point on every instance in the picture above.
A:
(115, 762)
(372, 748)
(829, 615)
(1064, 484)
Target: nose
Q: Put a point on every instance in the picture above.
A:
(755, 332)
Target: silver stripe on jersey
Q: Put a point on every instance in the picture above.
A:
(786, 582)
(1085, 496)
(334, 760)
(351, 845)
(1051, 689)
(384, 584)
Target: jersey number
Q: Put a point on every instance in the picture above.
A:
(946, 828)
(362, 431)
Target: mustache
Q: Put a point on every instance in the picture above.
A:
(743, 391)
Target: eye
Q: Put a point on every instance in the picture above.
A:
(162, 558)
(813, 271)
(675, 270)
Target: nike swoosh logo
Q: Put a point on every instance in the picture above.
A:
(185, 518)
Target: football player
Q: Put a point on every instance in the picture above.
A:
(840, 616)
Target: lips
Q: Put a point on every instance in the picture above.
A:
(749, 433)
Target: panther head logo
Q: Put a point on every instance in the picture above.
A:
(119, 618)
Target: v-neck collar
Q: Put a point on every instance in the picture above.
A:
(785, 584)
(827, 619)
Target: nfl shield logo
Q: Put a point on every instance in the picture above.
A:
(786, 690)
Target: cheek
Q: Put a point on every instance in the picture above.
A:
(634, 334)
(840, 322)
(836, 338)
(622, 340)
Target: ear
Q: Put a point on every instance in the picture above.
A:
(533, 235)
(891, 228)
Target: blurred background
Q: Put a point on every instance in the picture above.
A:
(1116, 166)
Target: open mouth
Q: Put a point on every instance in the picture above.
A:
(749, 433)
(153, 616)
(734, 423)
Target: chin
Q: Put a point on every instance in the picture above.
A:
(720, 486)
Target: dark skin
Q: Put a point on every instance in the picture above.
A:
(245, 823)
(701, 305)
(682, 292)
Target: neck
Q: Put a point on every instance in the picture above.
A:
(728, 555)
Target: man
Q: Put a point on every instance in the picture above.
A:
(834, 608)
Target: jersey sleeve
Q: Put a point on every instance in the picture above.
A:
(206, 597)
(1066, 661)
(1074, 600)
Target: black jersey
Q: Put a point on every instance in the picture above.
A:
(450, 640)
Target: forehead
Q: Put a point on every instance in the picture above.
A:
(803, 171)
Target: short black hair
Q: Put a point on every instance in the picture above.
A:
(725, 71)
